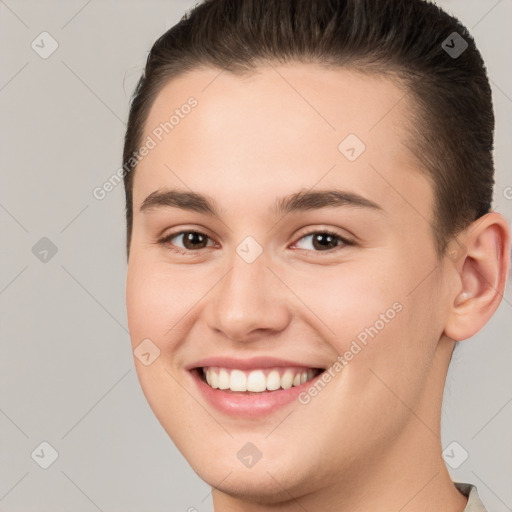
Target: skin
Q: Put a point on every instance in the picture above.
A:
(370, 440)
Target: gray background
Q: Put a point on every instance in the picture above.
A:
(67, 373)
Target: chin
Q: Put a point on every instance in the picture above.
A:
(267, 482)
(261, 487)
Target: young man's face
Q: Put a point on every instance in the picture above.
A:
(267, 289)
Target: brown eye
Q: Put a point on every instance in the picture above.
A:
(323, 241)
(190, 241)
(193, 240)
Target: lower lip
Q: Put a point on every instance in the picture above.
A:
(247, 405)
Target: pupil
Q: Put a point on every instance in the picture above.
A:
(323, 239)
(191, 238)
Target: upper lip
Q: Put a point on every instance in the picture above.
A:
(252, 363)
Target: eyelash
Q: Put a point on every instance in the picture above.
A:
(191, 252)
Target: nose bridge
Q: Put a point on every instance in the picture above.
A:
(248, 298)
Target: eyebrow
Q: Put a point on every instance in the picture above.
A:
(299, 201)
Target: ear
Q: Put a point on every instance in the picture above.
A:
(481, 273)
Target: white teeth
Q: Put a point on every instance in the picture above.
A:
(238, 381)
(273, 380)
(256, 381)
(214, 378)
(287, 379)
(224, 379)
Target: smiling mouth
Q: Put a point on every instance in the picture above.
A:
(256, 381)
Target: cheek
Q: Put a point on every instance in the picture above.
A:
(158, 299)
(144, 303)
(374, 315)
(157, 306)
(346, 299)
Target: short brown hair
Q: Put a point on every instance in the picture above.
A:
(453, 118)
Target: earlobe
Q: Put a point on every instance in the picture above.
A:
(482, 274)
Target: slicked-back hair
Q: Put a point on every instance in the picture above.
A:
(452, 119)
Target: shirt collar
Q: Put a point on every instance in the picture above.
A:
(474, 503)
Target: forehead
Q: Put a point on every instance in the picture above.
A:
(280, 127)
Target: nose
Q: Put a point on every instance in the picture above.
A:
(250, 302)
